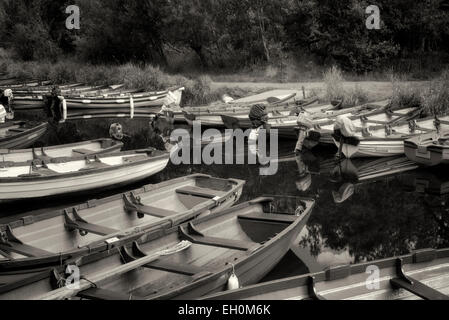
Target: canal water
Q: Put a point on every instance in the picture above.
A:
(361, 213)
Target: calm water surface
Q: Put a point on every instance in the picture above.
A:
(353, 221)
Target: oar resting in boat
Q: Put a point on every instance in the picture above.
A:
(236, 246)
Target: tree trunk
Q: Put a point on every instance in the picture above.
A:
(262, 35)
(199, 51)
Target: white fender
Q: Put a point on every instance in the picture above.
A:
(131, 104)
(64, 110)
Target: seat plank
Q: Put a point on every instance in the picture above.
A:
(200, 192)
(24, 249)
(269, 217)
(103, 294)
(215, 241)
(80, 224)
(419, 289)
(83, 151)
(185, 269)
(134, 204)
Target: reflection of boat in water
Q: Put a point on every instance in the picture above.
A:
(430, 181)
(350, 174)
(359, 170)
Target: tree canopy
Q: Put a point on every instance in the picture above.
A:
(227, 33)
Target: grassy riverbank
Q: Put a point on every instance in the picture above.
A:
(433, 95)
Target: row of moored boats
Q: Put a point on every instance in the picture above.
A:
(185, 238)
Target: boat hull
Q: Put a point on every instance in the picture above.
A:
(24, 139)
(79, 181)
(427, 150)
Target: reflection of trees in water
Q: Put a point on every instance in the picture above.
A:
(379, 221)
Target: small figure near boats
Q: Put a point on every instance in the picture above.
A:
(53, 105)
(304, 126)
(6, 98)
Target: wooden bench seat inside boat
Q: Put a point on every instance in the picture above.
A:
(82, 151)
(135, 159)
(200, 192)
(39, 172)
(17, 130)
(11, 243)
(185, 269)
(106, 295)
(94, 165)
(197, 237)
(82, 225)
(133, 203)
(163, 264)
(269, 217)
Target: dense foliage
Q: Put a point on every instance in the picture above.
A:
(230, 33)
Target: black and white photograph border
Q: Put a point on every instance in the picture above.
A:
(224, 150)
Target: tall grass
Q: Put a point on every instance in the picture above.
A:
(404, 95)
(198, 89)
(335, 89)
(435, 99)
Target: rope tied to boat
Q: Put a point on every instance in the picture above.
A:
(183, 245)
(91, 282)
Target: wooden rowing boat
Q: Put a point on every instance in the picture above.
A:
(20, 134)
(429, 149)
(50, 177)
(321, 115)
(24, 85)
(184, 262)
(388, 140)
(49, 239)
(145, 102)
(211, 115)
(423, 274)
(66, 150)
(381, 114)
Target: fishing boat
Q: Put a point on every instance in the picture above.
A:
(57, 176)
(42, 240)
(240, 244)
(320, 116)
(132, 103)
(429, 149)
(423, 274)
(211, 115)
(26, 91)
(67, 150)
(26, 84)
(20, 134)
(388, 139)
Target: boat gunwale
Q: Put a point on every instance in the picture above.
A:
(323, 276)
(159, 156)
(38, 127)
(115, 144)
